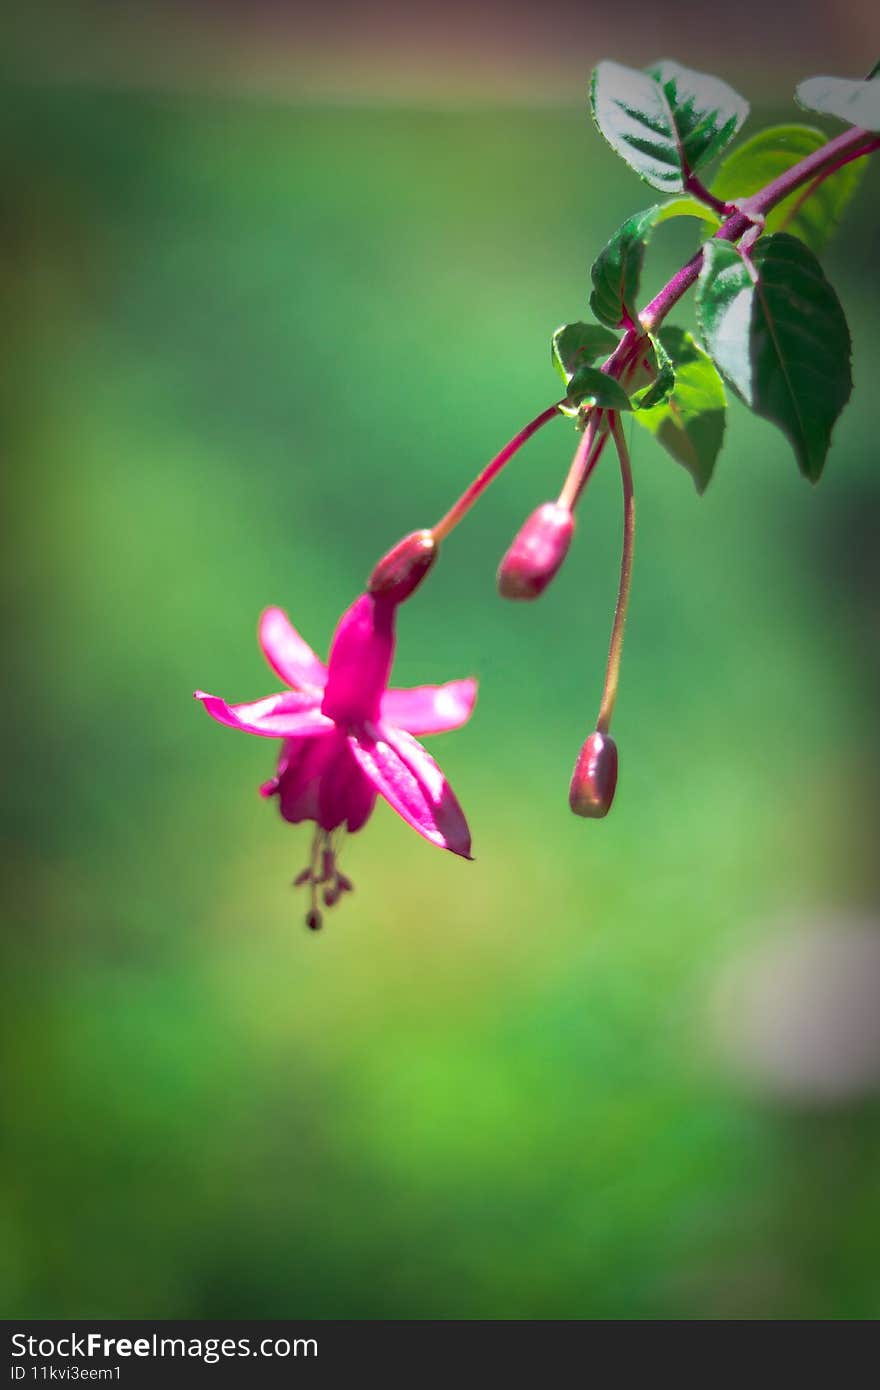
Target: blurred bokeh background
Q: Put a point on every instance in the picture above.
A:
(275, 283)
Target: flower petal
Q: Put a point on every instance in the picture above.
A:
(318, 779)
(360, 806)
(286, 715)
(430, 709)
(406, 775)
(288, 654)
(302, 768)
(346, 794)
(360, 661)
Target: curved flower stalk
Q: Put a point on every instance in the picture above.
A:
(346, 738)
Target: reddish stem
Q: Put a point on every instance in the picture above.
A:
(587, 455)
(492, 469)
(615, 648)
(825, 174)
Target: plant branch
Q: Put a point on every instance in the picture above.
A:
(852, 144)
(825, 174)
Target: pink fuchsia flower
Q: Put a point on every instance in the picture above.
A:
(346, 737)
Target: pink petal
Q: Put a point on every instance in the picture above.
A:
(290, 657)
(345, 794)
(430, 709)
(318, 779)
(411, 782)
(301, 769)
(360, 661)
(291, 750)
(360, 805)
(287, 715)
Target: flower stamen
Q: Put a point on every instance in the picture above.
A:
(323, 876)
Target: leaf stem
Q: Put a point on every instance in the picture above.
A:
(491, 471)
(615, 648)
(698, 190)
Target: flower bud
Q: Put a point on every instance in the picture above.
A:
(536, 553)
(401, 571)
(594, 778)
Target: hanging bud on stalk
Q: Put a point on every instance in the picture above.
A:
(594, 778)
(536, 553)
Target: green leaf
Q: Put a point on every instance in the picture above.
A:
(577, 345)
(765, 157)
(687, 207)
(591, 386)
(783, 343)
(690, 425)
(617, 270)
(857, 103)
(657, 366)
(666, 121)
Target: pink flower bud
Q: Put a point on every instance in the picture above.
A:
(536, 553)
(594, 778)
(401, 571)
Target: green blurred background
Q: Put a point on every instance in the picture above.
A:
(251, 337)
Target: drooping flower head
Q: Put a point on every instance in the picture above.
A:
(347, 737)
